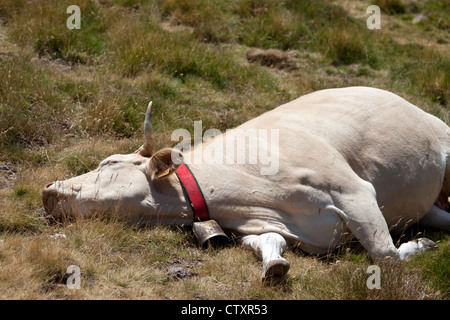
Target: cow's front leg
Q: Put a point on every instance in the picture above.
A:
(363, 217)
(269, 247)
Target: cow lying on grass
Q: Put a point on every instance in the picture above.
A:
(352, 162)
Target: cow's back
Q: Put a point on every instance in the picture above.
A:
(383, 138)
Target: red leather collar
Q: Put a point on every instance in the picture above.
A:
(193, 193)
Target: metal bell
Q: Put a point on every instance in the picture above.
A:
(209, 233)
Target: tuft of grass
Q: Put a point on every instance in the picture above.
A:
(428, 75)
(343, 47)
(197, 14)
(391, 6)
(28, 104)
(51, 37)
(111, 115)
(271, 25)
(19, 213)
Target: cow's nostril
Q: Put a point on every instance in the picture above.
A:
(49, 185)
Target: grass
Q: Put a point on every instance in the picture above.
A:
(429, 76)
(70, 98)
(50, 36)
(391, 6)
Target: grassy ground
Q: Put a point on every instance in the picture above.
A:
(69, 98)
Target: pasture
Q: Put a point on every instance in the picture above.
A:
(71, 97)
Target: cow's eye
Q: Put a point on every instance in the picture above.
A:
(109, 162)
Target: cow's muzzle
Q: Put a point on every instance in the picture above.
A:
(49, 198)
(53, 200)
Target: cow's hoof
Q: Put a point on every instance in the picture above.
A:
(414, 247)
(275, 271)
(426, 243)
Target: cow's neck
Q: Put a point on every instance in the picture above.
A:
(231, 193)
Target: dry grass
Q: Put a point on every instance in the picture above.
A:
(118, 262)
(68, 99)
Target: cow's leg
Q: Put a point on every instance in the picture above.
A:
(269, 247)
(363, 217)
(436, 218)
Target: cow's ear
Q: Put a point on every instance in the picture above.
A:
(164, 162)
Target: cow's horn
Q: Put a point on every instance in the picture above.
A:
(147, 149)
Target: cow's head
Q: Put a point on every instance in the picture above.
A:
(138, 187)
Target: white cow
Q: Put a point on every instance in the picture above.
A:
(353, 162)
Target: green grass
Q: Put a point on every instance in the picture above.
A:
(70, 98)
(50, 36)
(391, 6)
(28, 104)
(434, 267)
(429, 75)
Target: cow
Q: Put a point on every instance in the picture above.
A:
(354, 162)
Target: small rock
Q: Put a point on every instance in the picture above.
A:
(176, 272)
(419, 18)
(198, 296)
(58, 235)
